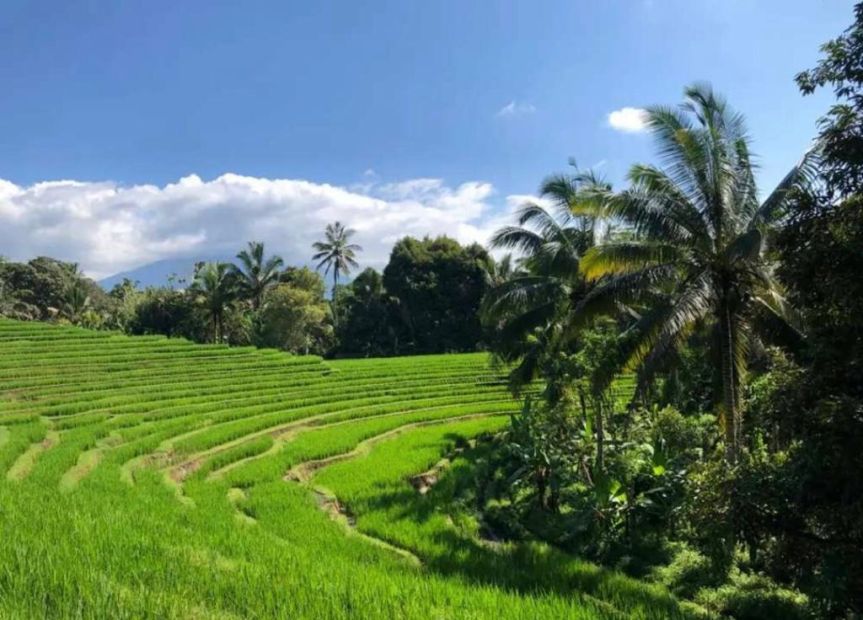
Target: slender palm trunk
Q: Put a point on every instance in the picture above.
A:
(600, 435)
(730, 382)
(333, 301)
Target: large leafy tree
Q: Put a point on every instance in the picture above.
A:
(841, 129)
(820, 409)
(698, 257)
(293, 319)
(45, 282)
(438, 285)
(166, 311)
(336, 253)
(215, 289)
(370, 318)
(256, 274)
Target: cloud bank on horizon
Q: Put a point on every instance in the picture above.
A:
(107, 227)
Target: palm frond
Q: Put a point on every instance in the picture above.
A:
(800, 178)
(672, 326)
(659, 190)
(625, 289)
(745, 247)
(618, 258)
(645, 216)
(517, 238)
(521, 294)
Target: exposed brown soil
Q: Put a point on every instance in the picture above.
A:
(186, 469)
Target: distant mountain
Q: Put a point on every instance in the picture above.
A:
(157, 274)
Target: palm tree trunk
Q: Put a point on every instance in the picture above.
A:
(600, 435)
(729, 385)
(333, 300)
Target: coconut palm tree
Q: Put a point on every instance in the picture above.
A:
(255, 275)
(215, 289)
(697, 257)
(529, 314)
(528, 310)
(336, 254)
(77, 300)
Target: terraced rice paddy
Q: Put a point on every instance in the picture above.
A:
(153, 478)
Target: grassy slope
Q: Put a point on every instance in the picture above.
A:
(143, 477)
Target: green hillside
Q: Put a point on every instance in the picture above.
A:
(148, 477)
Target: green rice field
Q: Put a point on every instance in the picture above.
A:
(146, 477)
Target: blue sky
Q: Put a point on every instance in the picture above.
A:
(368, 96)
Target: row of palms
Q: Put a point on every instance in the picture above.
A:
(692, 255)
(218, 285)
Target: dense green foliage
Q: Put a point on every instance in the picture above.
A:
(434, 288)
(439, 285)
(693, 279)
(44, 288)
(370, 318)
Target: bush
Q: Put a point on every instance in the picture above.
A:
(754, 597)
(688, 573)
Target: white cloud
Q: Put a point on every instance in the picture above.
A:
(108, 228)
(629, 120)
(516, 108)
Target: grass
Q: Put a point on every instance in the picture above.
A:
(152, 478)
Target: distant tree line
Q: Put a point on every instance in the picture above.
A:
(48, 289)
(426, 300)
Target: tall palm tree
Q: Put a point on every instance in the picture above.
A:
(697, 258)
(255, 275)
(528, 311)
(336, 253)
(215, 288)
